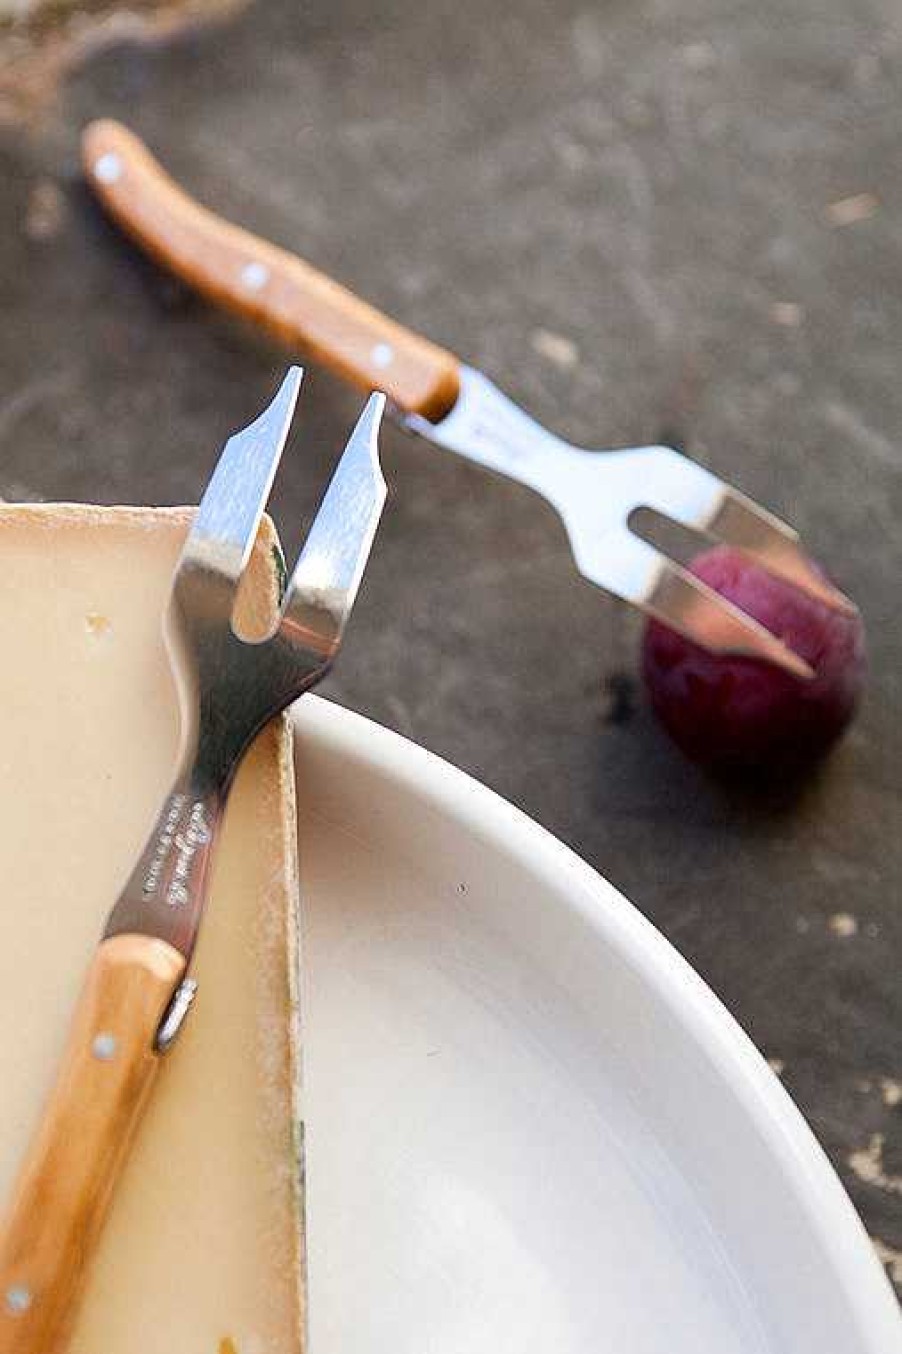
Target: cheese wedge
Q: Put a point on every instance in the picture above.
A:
(202, 1253)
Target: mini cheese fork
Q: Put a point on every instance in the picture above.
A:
(595, 493)
(137, 993)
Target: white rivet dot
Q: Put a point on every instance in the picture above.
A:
(254, 275)
(104, 1047)
(108, 169)
(18, 1299)
(382, 355)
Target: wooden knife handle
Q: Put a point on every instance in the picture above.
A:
(301, 306)
(64, 1188)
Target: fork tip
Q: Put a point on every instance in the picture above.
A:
(291, 382)
(277, 416)
(371, 416)
(844, 603)
(366, 429)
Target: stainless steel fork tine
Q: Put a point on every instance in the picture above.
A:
(227, 520)
(688, 605)
(739, 521)
(633, 569)
(326, 578)
(690, 494)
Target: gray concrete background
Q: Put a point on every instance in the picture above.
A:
(624, 212)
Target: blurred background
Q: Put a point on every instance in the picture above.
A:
(653, 220)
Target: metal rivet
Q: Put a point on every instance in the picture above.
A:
(104, 1047)
(254, 275)
(382, 355)
(108, 169)
(18, 1299)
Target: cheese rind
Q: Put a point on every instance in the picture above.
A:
(203, 1243)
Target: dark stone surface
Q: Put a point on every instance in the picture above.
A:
(646, 180)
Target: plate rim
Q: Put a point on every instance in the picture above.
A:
(619, 925)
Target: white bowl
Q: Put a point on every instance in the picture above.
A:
(531, 1128)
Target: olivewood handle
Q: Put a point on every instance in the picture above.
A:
(64, 1188)
(281, 292)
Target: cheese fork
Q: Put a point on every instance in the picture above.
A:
(596, 493)
(137, 992)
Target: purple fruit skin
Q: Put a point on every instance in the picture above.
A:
(743, 714)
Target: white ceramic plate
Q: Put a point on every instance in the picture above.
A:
(531, 1127)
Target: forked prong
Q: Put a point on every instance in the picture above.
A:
(740, 522)
(327, 575)
(226, 524)
(638, 572)
(688, 605)
(688, 493)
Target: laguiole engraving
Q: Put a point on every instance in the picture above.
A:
(164, 845)
(185, 841)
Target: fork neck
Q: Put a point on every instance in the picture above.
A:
(179, 851)
(167, 889)
(487, 427)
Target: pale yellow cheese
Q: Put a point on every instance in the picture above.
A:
(202, 1253)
